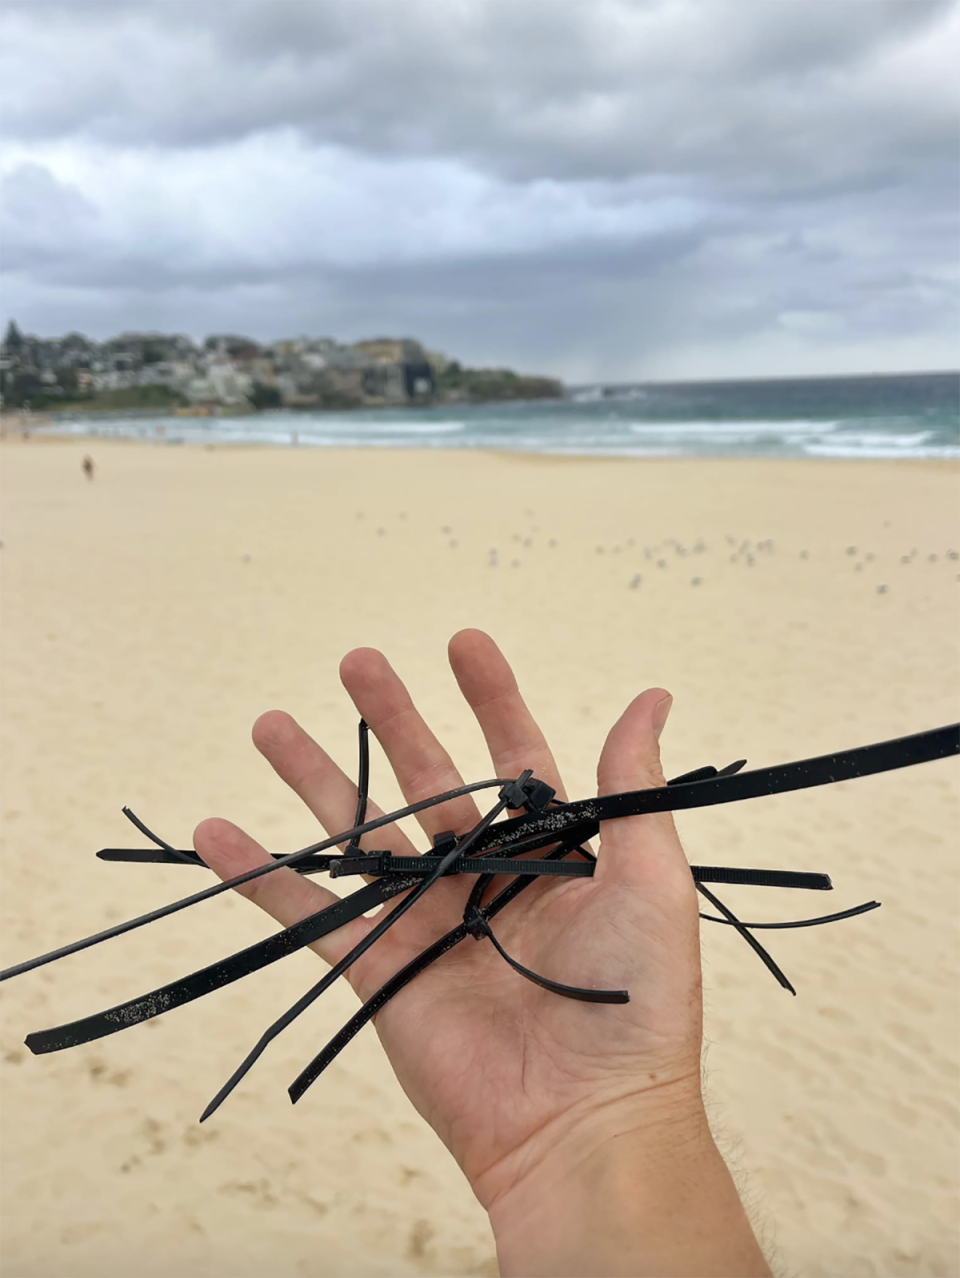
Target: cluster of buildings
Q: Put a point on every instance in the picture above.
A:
(225, 371)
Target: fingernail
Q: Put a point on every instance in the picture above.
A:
(661, 713)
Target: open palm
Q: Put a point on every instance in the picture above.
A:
(503, 1070)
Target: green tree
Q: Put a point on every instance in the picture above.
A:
(67, 380)
(262, 397)
(21, 388)
(13, 338)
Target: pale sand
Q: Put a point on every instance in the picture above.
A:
(139, 646)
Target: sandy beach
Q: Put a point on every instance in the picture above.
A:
(150, 615)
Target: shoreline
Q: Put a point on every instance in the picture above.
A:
(892, 425)
(258, 446)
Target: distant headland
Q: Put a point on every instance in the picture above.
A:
(231, 373)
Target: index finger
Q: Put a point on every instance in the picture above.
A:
(421, 764)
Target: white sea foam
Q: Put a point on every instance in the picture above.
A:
(588, 447)
(608, 394)
(942, 452)
(366, 426)
(561, 428)
(878, 439)
(713, 430)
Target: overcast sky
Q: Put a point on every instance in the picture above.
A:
(600, 189)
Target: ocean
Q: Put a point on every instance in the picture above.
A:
(906, 416)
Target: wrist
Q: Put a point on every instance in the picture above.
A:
(634, 1188)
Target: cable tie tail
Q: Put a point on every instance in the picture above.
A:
(766, 958)
(478, 927)
(155, 838)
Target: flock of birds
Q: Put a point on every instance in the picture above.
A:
(746, 552)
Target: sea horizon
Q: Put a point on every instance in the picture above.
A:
(889, 415)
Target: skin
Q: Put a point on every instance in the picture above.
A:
(580, 1127)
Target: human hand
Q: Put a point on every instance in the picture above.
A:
(521, 1085)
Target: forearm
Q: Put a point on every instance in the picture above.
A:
(645, 1202)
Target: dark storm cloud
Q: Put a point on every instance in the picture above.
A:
(602, 187)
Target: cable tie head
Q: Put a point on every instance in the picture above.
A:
(444, 842)
(527, 792)
(539, 795)
(475, 923)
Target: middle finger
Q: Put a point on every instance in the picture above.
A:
(513, 738)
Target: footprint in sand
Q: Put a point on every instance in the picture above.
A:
(421, 1234)
(81, 1231)
(258, 1192)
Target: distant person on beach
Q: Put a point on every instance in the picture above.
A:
(87, 464)
(581, 1129)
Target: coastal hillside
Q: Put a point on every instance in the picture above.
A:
(167, 372)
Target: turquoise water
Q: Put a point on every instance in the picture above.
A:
(909, 416)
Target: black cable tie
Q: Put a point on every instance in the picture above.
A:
(406, 974)
(476, 924)
(514, 793)
(375, 864)
(562, 827)
(767, 959)
(161, 843)
(353, 848)
(383, 924)
(225, 885)
(788, 923)
(385, 865)
(732, 768)
(478, 927)
(539, 795)
(699, 774)
(527, 792)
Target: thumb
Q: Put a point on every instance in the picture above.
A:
(631, 753)
(633, 847)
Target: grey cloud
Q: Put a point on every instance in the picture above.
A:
(592, 187)
(586, 88)
(621, 310)
(43, 220)
(530, 311)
